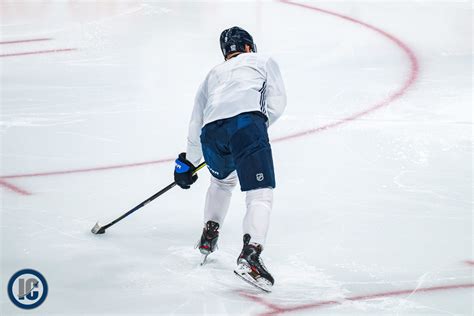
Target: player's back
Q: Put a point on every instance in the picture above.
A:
(235, 86)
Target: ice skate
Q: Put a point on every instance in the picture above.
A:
(250, 266)
(208, 242)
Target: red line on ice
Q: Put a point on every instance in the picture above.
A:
(274, 309)
(60, 50)
(63, 172)
(262, 301)
(414, 69)
(26, 41)
(13, 188)
(53, 173)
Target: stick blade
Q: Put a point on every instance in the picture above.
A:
(97, 229)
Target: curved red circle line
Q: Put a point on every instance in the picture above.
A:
(277, 309)
(414, 69)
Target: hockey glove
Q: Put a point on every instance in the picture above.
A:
(183, 172)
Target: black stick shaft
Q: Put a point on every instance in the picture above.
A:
(139, 206)
(151, 198)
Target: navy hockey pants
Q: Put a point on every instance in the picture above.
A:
(240, 143)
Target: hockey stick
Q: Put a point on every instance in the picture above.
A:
(97, 229)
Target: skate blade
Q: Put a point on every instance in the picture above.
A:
(243, 271)
(204, 259)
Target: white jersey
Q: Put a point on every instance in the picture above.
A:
(245, 83)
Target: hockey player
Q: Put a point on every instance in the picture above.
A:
(233, 108)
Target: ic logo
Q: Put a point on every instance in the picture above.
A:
(260, 177)
(27, 289)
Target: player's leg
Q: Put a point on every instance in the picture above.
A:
(252, 154)
(223, 180)
(257, 218)
(217, 204)
(218, 198)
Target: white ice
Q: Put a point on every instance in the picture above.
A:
(376, 205)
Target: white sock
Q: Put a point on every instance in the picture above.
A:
(218, 198)
(257, 219)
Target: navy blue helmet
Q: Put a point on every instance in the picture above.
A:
(234, 40)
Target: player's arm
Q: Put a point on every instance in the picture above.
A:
(194, 150)
(187, 162)
(276, 94)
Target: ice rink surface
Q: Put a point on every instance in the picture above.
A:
(373, 205)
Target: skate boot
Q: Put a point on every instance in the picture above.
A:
(208, 242)
(250, 266)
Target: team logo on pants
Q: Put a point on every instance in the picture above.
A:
(260, 177)
(27, 289)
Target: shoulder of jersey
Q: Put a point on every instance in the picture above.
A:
(257, 56)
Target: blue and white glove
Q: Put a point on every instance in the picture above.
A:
(183, 172)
